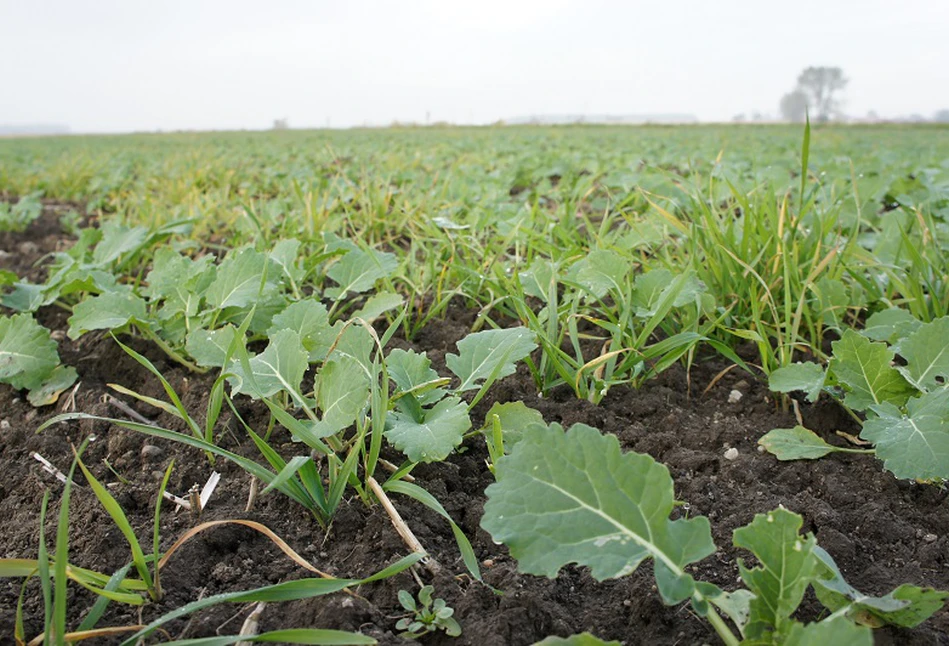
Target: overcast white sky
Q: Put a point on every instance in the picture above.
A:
(113, 66)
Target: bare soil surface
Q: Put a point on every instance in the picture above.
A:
(882, 532)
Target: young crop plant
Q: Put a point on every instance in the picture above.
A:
(894, 374)
(17, 217)
(29, 360)
(603, 323)
(94, 265)
(343, 422)
(575, 497)
(185, 302)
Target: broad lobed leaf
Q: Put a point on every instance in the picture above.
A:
(926, 351)
(358, 270)
(106, 312)
(343, 393)
(491, 354)
(434, 437)
(575, 497)
(907, 606)
(864, 368)
(279, 367)
(808, 377)
(787, 564)
(796, 443)
(914, 444)
(28, 355)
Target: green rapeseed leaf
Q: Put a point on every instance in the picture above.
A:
(575, 497)
(238, 280)
(581, 639)
(410, 370)
(890, 325)
(28, 355)
(787, 564)
(516, 418)
(808, 377)
(435, 436)
(865, 370)
(310, 320)
(358, 270)
(343, 392)
(489, 355)
(927, 355)
(915, 444)
(209, 347)
(796, 443)
(907, 606)
(49, 391)
(106, 312)
(279, 367)
(837, 631)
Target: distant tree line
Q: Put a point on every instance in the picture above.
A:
(817, 93)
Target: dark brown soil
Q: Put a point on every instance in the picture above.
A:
(881, 531)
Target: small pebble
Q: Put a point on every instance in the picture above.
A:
(930, 538)
(731, 454)
(28, 248)
(150, 452)
(4, 425)
(488, 562)
(734, 396)
(158, 475)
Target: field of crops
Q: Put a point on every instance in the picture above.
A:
(663, 385)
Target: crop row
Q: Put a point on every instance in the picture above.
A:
(594, 271)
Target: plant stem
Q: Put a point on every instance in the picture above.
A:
(721, 627)
(407, 536)
(167, 349)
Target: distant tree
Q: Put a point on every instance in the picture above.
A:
(942, 116)
(738, 118)
(821, 84)
(794, 106)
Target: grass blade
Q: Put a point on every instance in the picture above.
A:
(321, 636)
(287, 591)
(121, 521)
(98, 608)
(420, 495)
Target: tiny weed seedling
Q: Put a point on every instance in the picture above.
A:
(428, 615)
